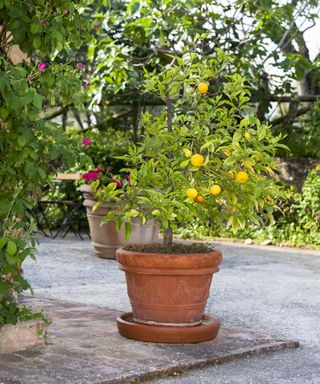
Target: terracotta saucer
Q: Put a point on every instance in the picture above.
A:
(207, 330)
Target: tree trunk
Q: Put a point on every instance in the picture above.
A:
(168, 236)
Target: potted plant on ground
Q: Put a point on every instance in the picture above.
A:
(109, 236)
(203, 155)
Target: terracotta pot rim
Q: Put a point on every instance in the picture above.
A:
(178, 255)
(166, 263)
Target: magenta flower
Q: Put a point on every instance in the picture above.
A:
(96, 26)
(99, 169)
(44, 21)
(118, 182)
(87, 84)
(42, 67)
(90, 176)
(127, 176)
(80, 66)
(86, 142)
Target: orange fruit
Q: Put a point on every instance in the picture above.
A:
(199, 199)
(215, 189)
(197, 160)
(203, 87)
(242, 177)
(192, 193)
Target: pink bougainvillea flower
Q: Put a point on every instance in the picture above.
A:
(87, 84)
(44, 21)
(90, 176)
(86, 142)
(80, 66)
(118, 182)
(42, 67)
(99, 169)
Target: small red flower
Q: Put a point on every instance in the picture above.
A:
(96, 26)
(87, 84)
(86, 142)
(118, 182)
(90, 176)
(42, 67)
(44, 21)
(80, 66)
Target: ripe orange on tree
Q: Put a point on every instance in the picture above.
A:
(215, 189)
(242, 177)
(192, 193)
(203, 88)
(197, 160)
(199, 199)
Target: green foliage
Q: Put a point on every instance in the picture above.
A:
(213, 125)
(43, 26)
(296, 221)
(30, 148)
(104, 147)
(303, 137)
(12, 254)
(133, 34)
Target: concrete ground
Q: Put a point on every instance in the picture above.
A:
(261, 289)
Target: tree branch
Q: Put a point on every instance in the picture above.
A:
(288, 118)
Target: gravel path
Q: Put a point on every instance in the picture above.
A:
(266, 289)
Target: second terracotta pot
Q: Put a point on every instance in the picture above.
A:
(106, 239)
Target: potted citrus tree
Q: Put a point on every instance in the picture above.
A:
(203, 155)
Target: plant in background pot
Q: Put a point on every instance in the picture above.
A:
(108, 237)
(202, 155)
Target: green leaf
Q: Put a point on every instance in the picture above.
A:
(4, 113)
(11, 248)
(37, 101)
(3, 242)
(36, 27)
(22, 141)
(95, 206)
(133, 213)
(37, 42)
(184, 163)
(118, 223)
(4, 289)
(187, 152)
(109, 216)
(42, 173)
(262, 133)
(127, 230)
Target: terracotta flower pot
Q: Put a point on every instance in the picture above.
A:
(168, 289)
(105, 238)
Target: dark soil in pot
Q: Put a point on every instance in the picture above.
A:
(169, 249)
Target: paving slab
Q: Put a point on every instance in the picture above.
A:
(84, 347)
